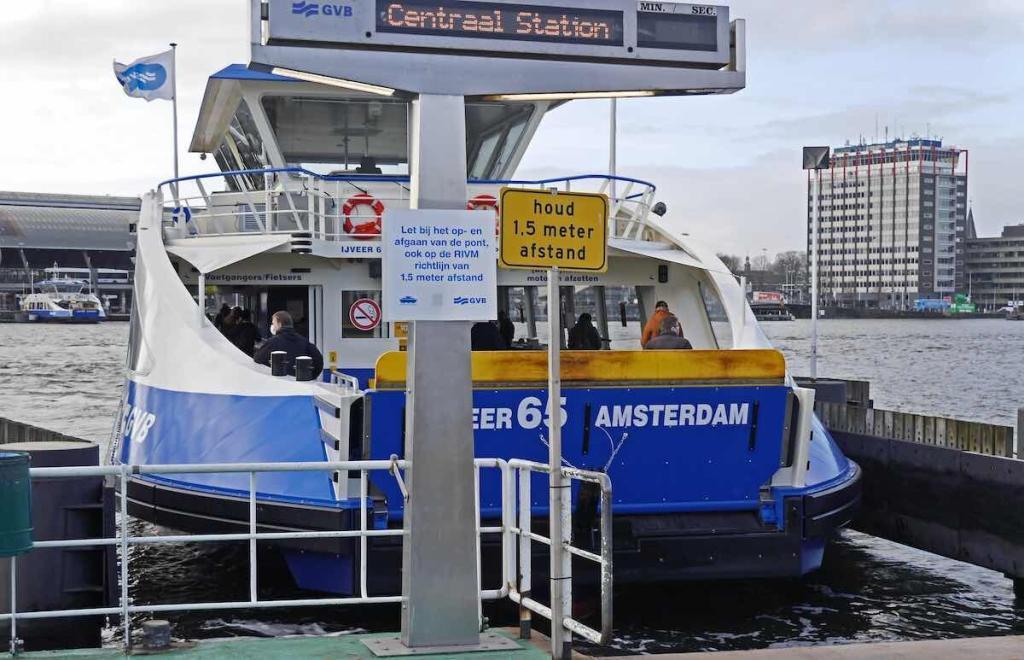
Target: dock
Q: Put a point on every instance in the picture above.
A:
(947, 486)
(355, 645)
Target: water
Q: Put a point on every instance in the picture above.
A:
(69, 377)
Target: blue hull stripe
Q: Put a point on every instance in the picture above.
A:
(165, 426)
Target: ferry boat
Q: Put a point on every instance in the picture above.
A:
(63, 300)
(720, 468)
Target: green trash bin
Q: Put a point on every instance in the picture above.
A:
(15, 504)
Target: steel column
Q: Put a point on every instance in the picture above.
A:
(439, 576)
(561, 639)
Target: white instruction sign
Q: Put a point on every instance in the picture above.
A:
(439, 265)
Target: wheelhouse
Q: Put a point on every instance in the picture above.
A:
(309, 171)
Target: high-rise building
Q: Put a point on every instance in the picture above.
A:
(995, 268)
(892, 223)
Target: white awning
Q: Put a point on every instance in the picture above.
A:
(661, 251)
(208, 253)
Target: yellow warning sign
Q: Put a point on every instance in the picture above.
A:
(542, 229)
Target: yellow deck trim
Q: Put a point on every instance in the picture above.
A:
(504, 367)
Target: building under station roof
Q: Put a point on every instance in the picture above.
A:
(44, 235)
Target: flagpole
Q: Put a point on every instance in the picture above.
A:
(174, 109)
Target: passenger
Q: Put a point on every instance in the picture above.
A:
(654, 323)
(583, 336)
(485, 336)
(670, 336)
(229, 325)
(507, 328)
(224, 312)
(246, 335)
(286, 339)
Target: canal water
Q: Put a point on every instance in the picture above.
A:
(68, 378)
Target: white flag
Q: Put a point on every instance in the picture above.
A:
(148, 77)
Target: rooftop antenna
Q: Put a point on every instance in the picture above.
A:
(887, 134)
(876, 128)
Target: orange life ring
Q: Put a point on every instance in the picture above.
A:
(486, 202)
(366, 229)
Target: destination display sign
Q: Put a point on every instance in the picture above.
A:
(624, 31)
(543, 229)
(501, 21)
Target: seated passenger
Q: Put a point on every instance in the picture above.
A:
(670, 335)
(653, 323)
(583, 336)
(485, 336)
(286, 339)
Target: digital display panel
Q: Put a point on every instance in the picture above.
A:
(491, 20)
(677, 31)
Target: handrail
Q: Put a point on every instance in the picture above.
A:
(379, 178)
(122, 538)
(521, 592)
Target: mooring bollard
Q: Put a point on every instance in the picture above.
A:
(156, 635)
(278, 363)
(1020, 430)
(304, 368)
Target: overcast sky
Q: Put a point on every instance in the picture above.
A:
(820, 72)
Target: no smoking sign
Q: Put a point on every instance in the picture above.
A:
(364, 314)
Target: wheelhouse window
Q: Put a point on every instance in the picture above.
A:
(242, 149)
(494, 132)
(341, 135)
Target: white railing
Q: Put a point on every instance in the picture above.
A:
(521, 593)
(506, 529)
(295, 201)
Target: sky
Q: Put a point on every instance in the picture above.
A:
(728, 167)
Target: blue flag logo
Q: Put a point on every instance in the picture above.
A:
(143, 77)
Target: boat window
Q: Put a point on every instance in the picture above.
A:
(242, 149)
(624, 318)
(480, 167)
(493, 132)
(717, 318)
(341, 135)
(357, 313)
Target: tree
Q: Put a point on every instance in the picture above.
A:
(790, 265)
(732, 262)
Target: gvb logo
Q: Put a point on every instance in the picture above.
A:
(463, 300)
(308, 9)
(145, 76)
(137, 423)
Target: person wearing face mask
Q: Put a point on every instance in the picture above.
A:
(286, 339)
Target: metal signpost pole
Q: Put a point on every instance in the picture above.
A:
(815, 212)
(439, 577)
(817, 159)
(560, 638)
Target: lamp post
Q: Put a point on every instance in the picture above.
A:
(817, 159)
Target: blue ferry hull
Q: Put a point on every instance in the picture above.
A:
(690, 467)
(77, 316)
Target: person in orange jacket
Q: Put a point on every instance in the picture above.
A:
(654, 323)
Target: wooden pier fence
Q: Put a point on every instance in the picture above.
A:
(947, 486)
